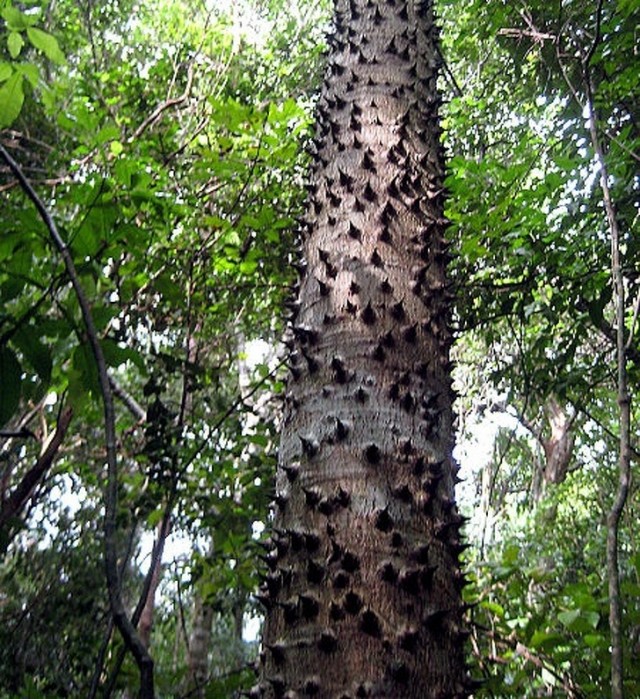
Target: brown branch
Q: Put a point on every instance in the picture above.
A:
(156, 557)
(516, 33)
(15, 503)
(624, 399)
(128, 400)
(161, 108)
(572, 690)
(121, 619)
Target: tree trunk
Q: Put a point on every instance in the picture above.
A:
(199, 646)
(363, 591)
(558, 447)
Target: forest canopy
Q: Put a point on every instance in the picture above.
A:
(153, 163)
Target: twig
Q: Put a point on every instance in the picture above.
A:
(161, 108)
(121, 620)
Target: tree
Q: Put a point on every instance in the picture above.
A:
(363, 589)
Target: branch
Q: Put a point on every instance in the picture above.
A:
(624, 399)
(516, 33)
(121, 620)
(128, 400)
(14, 504)
(156, 557)
(161, 108)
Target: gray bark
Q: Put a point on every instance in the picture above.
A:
(363, 588)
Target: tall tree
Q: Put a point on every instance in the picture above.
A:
(363, 591)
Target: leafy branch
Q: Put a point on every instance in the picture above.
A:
(121, 619)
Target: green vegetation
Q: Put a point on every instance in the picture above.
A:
(167, 142)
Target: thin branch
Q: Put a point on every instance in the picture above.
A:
(128, 400)
(122, 621)
(104, 647)
(624, 399)
(586, 61)
(516, 33)
(161, 108)
(449, 74)
(156, 557)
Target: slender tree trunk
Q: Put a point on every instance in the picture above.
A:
(145, 625)
(363, 592)
(624, 403)
(199, 646)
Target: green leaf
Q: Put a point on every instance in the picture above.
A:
(115, 355)
(579, 620)
(16, 20)
(116, 148)
(494, 608)
(46, 43)
(107, 133)
(30, 72)
(35, 352)
(15, 42)
(10, 384)
(6, 71)
(11, 100)
(547, 640)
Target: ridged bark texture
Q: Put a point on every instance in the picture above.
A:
(363, 588)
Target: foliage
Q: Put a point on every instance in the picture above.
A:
(165, 138)
(535, 315)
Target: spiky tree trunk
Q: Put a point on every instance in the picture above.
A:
(363, 592)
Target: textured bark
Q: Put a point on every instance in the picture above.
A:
(199, 647)
(558, 447)
(363, 588)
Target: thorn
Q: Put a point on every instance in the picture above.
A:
(312, 542)
(410, 333)
(409, 580)
(328, 643)
(278, 652)
(420, 554)
(397, 311)
(312, 496)
(403, 493)
(342, 430)
(434, 620)
(292, 471)
(340, 580)
(309, 606)
(350, 562)
(368, 315)
(310, 446)
(372, 454)
(376, 260)
(384, 521)
(396, 540)
(399, 672)
(354, 232)
(388, 572)
(379, 354)
(370, 624)
(352, 603)
(311, 686)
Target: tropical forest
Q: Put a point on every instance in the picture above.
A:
(319, 349)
